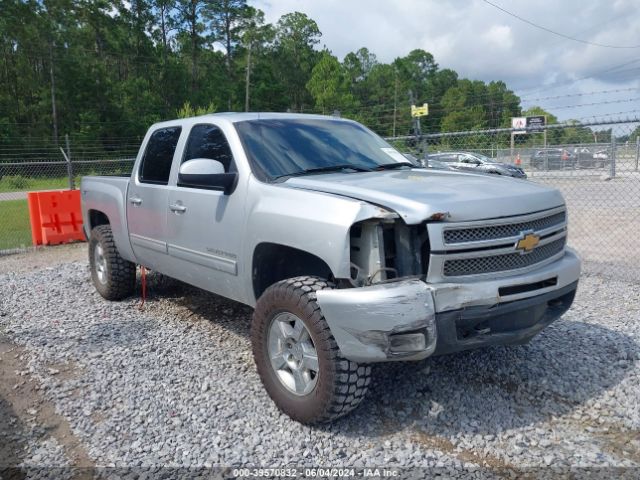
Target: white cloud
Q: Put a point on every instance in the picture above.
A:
(499, 36)
(481, 42)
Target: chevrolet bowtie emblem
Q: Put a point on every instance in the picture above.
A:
(528, 242)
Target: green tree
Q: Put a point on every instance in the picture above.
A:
(328, 85)
(103, 70)
(257, 40)
(462, 109)
(190, 24)
(296, 35)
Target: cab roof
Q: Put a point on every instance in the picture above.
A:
(235, 117)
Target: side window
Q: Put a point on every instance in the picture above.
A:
(158, 156)
(208, 141)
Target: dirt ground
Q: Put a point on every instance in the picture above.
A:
(23, 407)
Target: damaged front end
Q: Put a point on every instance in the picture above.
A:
(385, 249)
(387, 321)
(397, 306)
(386, 312)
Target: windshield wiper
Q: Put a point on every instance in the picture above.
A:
(394, 165)
(327, 169)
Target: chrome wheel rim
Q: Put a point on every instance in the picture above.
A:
(101, 263)
(292, 354)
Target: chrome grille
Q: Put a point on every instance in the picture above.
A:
(492, 232)
(499, 263)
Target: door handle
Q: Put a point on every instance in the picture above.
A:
(177, 208)
(135, 200)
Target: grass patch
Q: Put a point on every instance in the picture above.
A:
(15, 228)
(18, 183)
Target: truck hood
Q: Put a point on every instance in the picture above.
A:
(416, 195)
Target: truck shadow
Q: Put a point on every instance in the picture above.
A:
(489, 391)
(477, 392)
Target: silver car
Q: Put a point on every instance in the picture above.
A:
(477, 163)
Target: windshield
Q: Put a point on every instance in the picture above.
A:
(484, 158)
(282, 147)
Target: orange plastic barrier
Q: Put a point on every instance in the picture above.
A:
(55, 217)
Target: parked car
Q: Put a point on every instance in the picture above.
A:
(427, 162)
(437, 164)
(348, 253)
(586, 159)
(601, 158)
(477, 163)
(602, 154)
(553, 159)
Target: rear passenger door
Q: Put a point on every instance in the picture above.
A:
(147, 199)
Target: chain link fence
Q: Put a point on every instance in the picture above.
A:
(599, 179)
(595, 165)
(40, 166)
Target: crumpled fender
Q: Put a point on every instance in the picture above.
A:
(362, 319)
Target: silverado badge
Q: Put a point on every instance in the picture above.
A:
(527, 242)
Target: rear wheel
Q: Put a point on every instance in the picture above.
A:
(297, 358)
(113, 276)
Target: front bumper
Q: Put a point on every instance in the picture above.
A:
(509, 323)
(411, 320)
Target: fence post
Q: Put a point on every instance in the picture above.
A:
(637, 150)
(67, 157)
(69, 165)
(612, 165)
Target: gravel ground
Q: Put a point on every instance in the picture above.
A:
(173, 384)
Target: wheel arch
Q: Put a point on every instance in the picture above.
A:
(272, 262)
(96, 218)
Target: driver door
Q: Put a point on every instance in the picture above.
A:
(467, 162)
(458, 162)
(203, 225)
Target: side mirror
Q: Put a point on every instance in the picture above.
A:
(207, 174)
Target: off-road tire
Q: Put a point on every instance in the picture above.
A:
(341, 384)
(120, 281)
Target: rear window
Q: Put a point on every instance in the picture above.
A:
(158, 156)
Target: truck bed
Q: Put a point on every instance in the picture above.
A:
(107, 194)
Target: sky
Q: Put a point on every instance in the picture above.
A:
(481, 42)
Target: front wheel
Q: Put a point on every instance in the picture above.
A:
(297, 358)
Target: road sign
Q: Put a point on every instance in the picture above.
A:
(420, 111)
(536, 123)
(519, 122)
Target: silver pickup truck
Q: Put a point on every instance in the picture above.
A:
(349, 253)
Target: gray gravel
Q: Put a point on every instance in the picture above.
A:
(174, 384)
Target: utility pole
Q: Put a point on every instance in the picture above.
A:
(54, 114)
(416, 120)
(247, 79)
(614, 147)
(395, 103)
